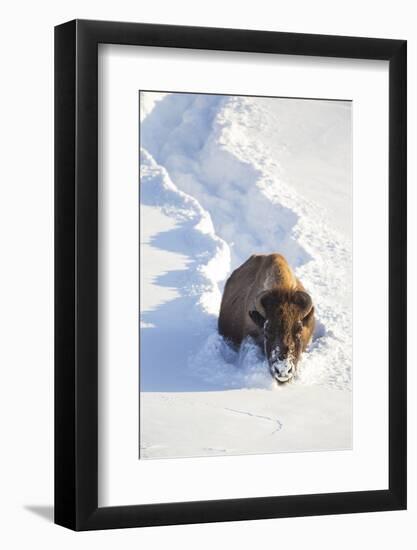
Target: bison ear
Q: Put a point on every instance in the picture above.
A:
(303, 301)
(257, 318)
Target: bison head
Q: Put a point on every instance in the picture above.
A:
(282, 317)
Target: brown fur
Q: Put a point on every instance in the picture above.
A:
(283, 302)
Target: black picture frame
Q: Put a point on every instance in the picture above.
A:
(76, 272)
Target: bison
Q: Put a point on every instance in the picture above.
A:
(263, 299)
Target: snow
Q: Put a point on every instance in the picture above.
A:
(223, 178)
(245, 422)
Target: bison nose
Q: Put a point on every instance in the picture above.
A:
(283, 372)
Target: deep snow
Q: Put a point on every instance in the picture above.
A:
(223, 178)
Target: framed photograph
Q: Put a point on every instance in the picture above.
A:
(230, 255)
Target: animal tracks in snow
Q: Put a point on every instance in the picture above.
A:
(268, 418)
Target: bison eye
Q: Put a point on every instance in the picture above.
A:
(257, 318)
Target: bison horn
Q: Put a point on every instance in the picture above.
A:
(303, 301)
(258, 303)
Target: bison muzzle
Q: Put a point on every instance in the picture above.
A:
(263, 299)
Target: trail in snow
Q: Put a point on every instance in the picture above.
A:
(268, 418)
(223, 169)
(195, 139)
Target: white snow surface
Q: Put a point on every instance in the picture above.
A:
(222, 178)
